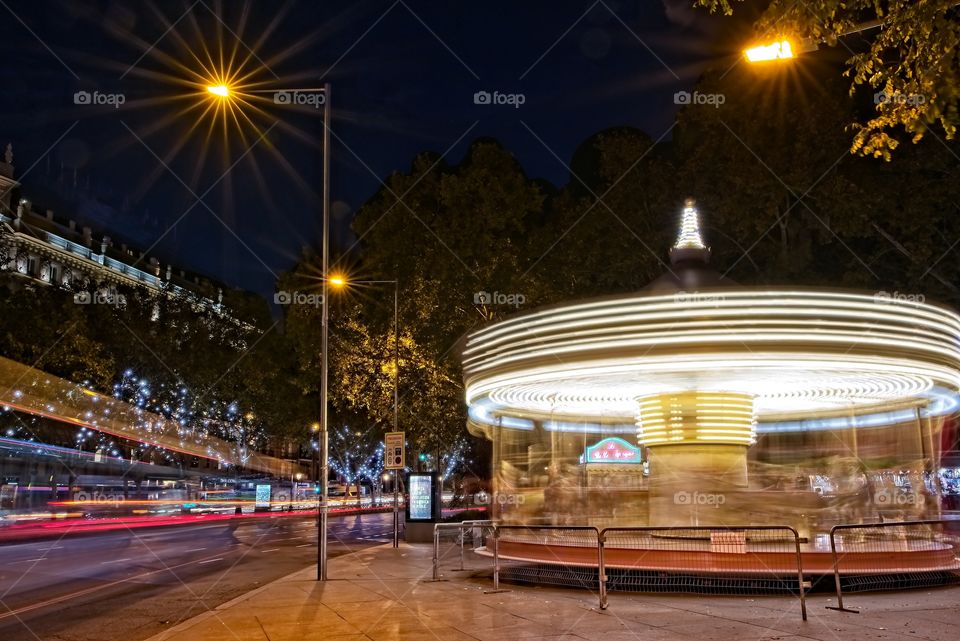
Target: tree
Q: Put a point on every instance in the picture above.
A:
(170, 340)
(912, 61)
(785, 203)
(607, 230)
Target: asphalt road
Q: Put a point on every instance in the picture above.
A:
(130, 584)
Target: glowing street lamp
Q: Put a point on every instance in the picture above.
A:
(339, 281)
(785, 50)
(222, 91)
(780, 50)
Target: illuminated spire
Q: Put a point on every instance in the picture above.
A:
(689, 237)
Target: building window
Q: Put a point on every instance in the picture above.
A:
(33, 266)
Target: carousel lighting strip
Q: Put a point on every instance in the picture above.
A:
(946, 352)
(647, 306)
(718, 298)
(698, 416)
(942, 402)
(589, 336)
(586, 337)
(758, 370)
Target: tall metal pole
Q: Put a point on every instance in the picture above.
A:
(324, 441)
(396, 405)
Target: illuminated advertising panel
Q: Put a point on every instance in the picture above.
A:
(424, 497)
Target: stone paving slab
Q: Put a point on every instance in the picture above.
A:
(385, 594)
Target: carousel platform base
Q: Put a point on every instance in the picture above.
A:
(754, 571)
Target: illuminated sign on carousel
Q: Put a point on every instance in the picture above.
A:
(613, 450)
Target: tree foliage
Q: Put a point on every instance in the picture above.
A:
(912, 63)
(168, 339)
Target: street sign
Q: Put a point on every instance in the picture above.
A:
(394, 452)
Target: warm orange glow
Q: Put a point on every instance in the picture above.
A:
(781, 50)
(337, 281)
(223, 91)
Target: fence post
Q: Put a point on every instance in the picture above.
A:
(496, 559)
(800, 586)
(836, 573)
(436, 551)
(463, 535)
(601, 569)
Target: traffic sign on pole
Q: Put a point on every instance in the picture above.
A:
(394, 452)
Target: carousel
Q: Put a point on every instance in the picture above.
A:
(697, 401)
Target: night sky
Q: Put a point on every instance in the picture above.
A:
(404, 76)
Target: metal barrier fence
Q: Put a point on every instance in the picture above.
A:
(476, 528)
(716, 559)
(673, 559)
(570, 546)
(924, 549)
(745, 559)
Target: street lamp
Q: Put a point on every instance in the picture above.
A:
(780, 50)
(783, 49)
(341, 282)
(222, 91)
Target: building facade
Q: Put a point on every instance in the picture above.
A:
(41, 249)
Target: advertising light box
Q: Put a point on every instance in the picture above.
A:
(424, 501)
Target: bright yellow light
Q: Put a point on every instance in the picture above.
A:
(219, 90)
(774, 51)
(337, 281)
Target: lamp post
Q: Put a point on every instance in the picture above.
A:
(222, 91)
(340, 281)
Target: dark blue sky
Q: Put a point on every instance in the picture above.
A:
(404, 76)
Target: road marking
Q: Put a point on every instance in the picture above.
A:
(54, 547)
(219, 558)
(115, 561)
(305, 545)
(29, 560)
(270, 550)
(196, 549)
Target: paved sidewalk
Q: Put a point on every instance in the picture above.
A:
(381, 594)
